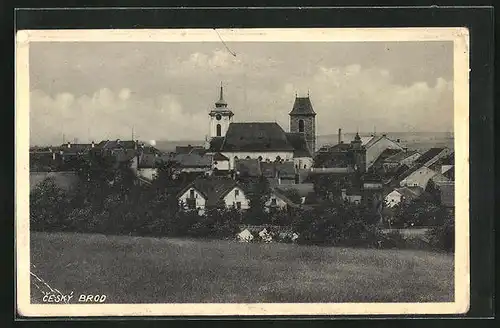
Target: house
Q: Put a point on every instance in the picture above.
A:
(279, 173)
(194, 163)
(205, 193)
(376, 145)
(221, 162)
(351, 195)
(305, 191)
(264, 141)
(343, 155)
(279, 201)
(147, 165)
(421, 177)
(407, 158)
(404, 194)
(433, 155)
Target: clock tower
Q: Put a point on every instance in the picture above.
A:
(220, 117)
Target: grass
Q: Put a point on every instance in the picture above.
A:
(165, 270)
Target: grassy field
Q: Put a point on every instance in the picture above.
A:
(150, 270)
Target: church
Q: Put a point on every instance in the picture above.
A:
(229, 141)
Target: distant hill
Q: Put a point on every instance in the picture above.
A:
(413, 140)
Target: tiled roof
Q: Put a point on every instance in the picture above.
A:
(216, 144)
(193, 160)
(303, 189)
(282, 170)
(302, 106)
(400, 156)
(219, 157)
(248, 167)
(298, 142)
(256, 136)
(148, 160)
(428, 155)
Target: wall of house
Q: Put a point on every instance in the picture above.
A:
(231, 199)
(200, 200)
(222, 165)
(375, 150)
(392, 199)
(147, 173)
(271, 155)
(419, 178)
(300, 162)
(279, 203)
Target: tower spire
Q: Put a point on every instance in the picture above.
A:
(221, 102)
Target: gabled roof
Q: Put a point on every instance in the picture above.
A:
(397, 158)
(113, 144)
(279, 194)
(256, 136)
(302, 106)
(213, 189)
(299, 144)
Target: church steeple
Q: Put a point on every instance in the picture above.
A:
(221, 102)
(220, 116)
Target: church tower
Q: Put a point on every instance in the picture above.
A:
(303, 120)
(220, 117)
(359, 152)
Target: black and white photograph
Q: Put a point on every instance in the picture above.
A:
(243, 171)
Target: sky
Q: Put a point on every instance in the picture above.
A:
(164, 90)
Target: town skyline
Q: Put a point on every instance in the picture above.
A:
(164, 92)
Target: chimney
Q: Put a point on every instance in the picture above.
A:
(93, 144)
(53, 156)
(340, 136)
(69, 144)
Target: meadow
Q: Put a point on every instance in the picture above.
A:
(165, 270)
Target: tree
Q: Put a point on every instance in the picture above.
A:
(257, 194)
(49, 206)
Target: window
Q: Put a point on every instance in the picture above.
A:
(248, 157)
(218, 130)
(191, 193)
(260, 158)
(301, 125)
(238, 205)
(305, 166)
(273, 201)
(191, 203)
(236, 192)
(278, 158)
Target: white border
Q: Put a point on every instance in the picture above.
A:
(459, 36)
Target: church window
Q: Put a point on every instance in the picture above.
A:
(278, 158)
(248, 157)
(305, 166)
(218, 130)
(260, 158)
(235, 158)
(301, 125)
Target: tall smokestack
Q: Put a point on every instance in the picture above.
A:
(340, 136)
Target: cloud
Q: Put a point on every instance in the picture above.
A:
(351, 97)
(111, 115)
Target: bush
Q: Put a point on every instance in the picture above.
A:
(443, 237)
(49, 206)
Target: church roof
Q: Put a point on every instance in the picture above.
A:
(298, 142)
(256, 136)
(302, 106)
(216, 144)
